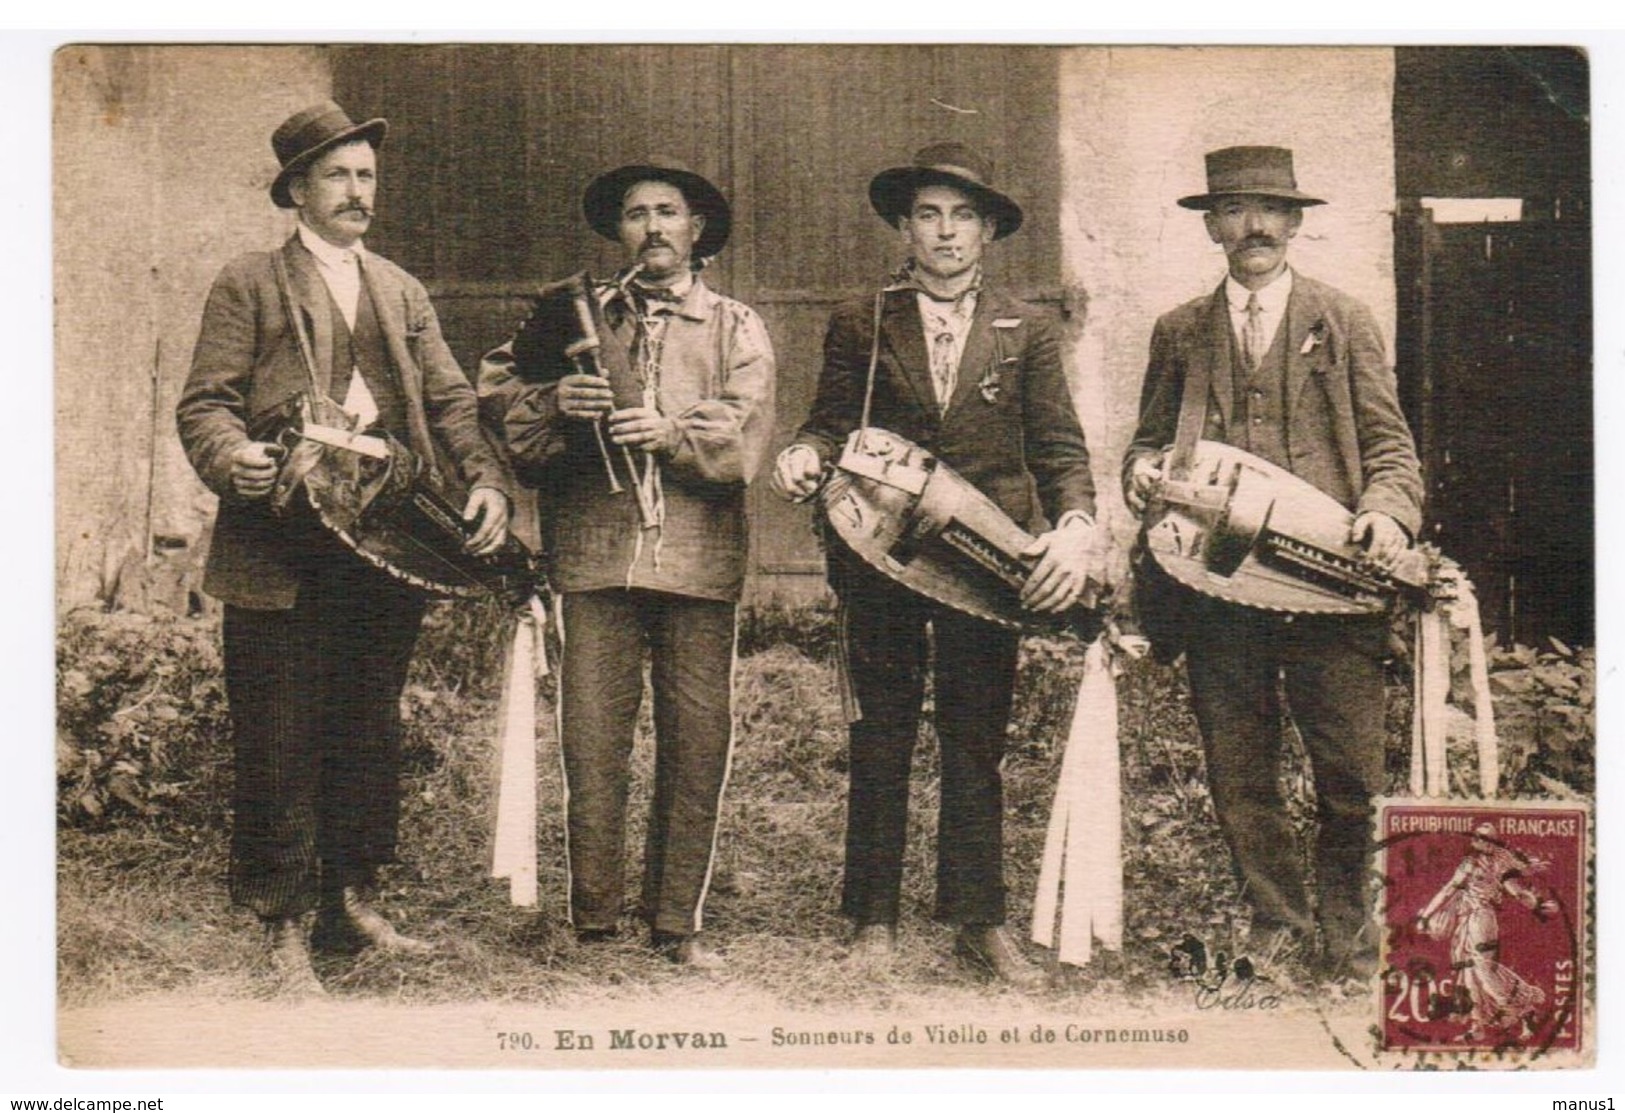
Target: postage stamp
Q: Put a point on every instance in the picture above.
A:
(1484, 927)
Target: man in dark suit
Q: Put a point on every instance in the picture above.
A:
(317, 641)
(1299, 377)
(974, 376)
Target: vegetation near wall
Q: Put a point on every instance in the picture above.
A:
(144, 780)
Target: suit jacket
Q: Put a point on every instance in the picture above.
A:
(247, 362)
(1010, 428)
(1344, 431)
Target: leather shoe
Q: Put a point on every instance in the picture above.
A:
(290, 959)
(993, 950)
(693, 951)
(873, 945)
(353, 925)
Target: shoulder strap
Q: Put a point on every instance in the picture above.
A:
(874, 360)
(285, 295)
(1193, 403)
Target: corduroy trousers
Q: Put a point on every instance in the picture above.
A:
(315, 709)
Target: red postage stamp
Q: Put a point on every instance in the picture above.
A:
(1484, 914)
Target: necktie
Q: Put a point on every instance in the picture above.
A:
(1252, 334)
(647, 297)
(943, 371)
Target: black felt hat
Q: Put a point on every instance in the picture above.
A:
(306, 134)
(602, 202)
(892, 191)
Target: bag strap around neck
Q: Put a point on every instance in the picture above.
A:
(1193, 403)
(284, 289)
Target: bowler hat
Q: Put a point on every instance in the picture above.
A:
(306, 134)
(602, 202)
(1258, 171)
(892, 191)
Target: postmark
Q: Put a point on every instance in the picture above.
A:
(1484, 921)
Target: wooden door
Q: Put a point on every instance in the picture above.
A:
(1503, 405)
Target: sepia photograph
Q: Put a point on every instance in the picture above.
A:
(712, 556)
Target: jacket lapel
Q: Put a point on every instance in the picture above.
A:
(978, 353)
(1217, 352)
(902, 333)
(388, 307)
(1303, 309)
(313, 308)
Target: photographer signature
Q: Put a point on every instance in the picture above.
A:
(1222, 983)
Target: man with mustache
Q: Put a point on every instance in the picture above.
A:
(959, 366)
(1298, 376)
(316, 641)
(667, 588)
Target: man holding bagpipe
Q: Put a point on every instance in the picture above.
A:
(941, 369)
(1272, 563)
(639, 409)
(325, 410)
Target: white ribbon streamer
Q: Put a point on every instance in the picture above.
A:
(1430, 735)
(1081, 875)
(513, 851)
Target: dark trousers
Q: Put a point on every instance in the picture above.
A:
(973, 677)
(1331, 672)
(690, 644)
(315, 710)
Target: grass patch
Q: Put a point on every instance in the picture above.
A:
(142, 905)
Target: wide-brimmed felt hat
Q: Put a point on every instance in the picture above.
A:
(892, 191)
(306, 134)
(602, 201)
(1258, 171)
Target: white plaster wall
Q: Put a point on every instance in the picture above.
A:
(162, 159)
(1135, 124)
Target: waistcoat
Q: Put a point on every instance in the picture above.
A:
(1260, 401)
(364, 352)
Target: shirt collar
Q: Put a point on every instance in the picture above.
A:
(907, 278)
(697, 304)
(329, 255)
(1271, 299)
(677, 290)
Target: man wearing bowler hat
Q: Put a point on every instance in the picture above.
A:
(317, 641)
(665, 582)
(1297, 375)
(970, 373)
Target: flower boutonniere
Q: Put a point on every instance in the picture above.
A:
(1316, 337)
(988, 386)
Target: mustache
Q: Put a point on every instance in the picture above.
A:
(353, 207)
(1260, 240)
(653, 239)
